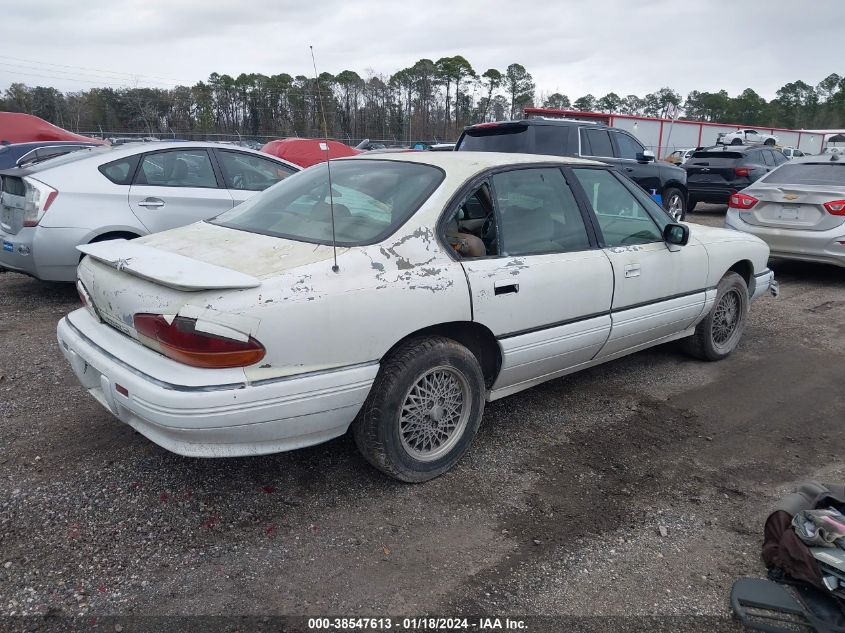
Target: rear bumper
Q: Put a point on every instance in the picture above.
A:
(824, 247)
(717, 194)
(43, 252)
(202, 416)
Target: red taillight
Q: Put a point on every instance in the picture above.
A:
(180, 341)
(835, 207)
(742, 201)
(742, 171)
(37, 199)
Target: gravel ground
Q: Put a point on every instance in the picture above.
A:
(637, 488)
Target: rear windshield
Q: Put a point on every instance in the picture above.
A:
(372, 198)
(498, 138)
(808, 174)
(717, 154)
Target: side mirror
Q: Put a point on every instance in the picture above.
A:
(677, 234)
(645, 156)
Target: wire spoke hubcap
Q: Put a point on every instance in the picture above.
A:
(726, 318)
(434, 413)
(676, 207)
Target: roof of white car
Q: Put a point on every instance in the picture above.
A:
(477, 160)
(129, 149)
(107, 153)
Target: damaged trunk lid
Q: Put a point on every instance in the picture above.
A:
(185, 272)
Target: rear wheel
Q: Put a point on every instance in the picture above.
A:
(117, 235)
(720, 331)
(675, 204)
(423, 410)
(736, 141)
(769, 141)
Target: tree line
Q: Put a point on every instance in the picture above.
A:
(430, 100)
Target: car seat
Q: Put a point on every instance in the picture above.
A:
(528, 230)
(465, 244)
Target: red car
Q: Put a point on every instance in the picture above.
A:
(308, 151)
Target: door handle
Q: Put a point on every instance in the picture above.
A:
(629, 169)
(632, 270)
(151, 203)
(505, 287)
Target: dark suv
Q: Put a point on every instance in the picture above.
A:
(715, 173)
(587, 140)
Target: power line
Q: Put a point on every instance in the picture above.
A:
(97, 83)
(97, 70)
(68, 76)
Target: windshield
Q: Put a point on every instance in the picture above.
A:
(808, 174)
(372, 198)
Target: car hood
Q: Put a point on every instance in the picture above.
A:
(710, 234)
(259, 256)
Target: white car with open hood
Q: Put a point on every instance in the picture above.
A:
(461, 278)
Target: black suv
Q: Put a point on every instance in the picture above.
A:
(715, 173)
(587, 140)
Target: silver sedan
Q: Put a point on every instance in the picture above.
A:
(127, 191)
(798, 209)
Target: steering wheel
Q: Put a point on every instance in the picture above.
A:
(488, 233)
(641, 237)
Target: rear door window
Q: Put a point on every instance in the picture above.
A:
(768, 159)
(538, 213)
(629, 148)
(754, 158)
(780, 159)
(595, 143)
(177, 168)
(621, 217)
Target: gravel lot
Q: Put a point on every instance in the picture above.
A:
(634, 488)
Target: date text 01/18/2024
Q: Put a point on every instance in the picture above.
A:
(416, 624)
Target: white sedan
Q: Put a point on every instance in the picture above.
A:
(746, 137)
(460, 278)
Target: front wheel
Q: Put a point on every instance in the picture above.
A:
(423, 410)
(769, 141)
(674, 201)
(718, 334)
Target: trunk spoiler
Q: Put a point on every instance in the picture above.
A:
(166, 268)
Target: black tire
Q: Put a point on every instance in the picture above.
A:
(708, 343)
(378, 428)
(769, 141)
(736, 141)
(670, 196)
(691, 204)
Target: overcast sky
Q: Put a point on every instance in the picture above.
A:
(570, 46)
